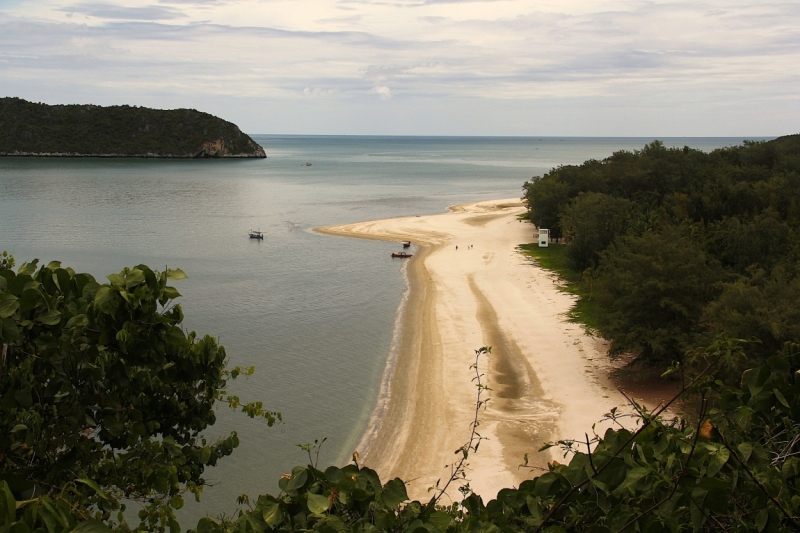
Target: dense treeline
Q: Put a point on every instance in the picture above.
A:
(28, 128)
(680, 245)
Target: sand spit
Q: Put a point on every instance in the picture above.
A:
(548, 376)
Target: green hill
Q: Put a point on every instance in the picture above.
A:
(29, 129)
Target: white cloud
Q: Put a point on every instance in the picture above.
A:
(695, 65)
(117, 12)
(318, 92)
(383, 91)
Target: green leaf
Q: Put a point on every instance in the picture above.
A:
(79, 321)
(50, 318)
(176, 502)
(27, 268)
(207, 525)
(116, 280)
(48, 520)
(18, 527)
(62, 279)
(205, 454)
(104, 296)
(781, 398)
(8, 305)
(717, 461)
(634, 475)
(317, 503)
(441, 520)
(394, 493)
(761, 519)
(297, 480)
(135, 277)
(161, 484)
(8, 505)
(176, 274)
(255, 525)
(31, 298)
(170, 293)
(95, 487)
(91, 526)
(10, 331)
(745, 448)
(271, 511)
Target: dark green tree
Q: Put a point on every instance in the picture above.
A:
(759, 307)
(590, 223)
(654, 289)
(546, 198)
(103, 392)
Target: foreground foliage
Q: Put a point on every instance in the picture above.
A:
(104, 396)
(734, 469)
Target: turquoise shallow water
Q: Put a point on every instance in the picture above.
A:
(313, 313)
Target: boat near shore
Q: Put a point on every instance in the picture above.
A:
(406, 244)
(401, 255)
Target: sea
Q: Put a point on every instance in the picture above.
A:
(314, 314)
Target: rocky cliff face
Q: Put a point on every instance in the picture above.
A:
(29, 129)
(218, 148)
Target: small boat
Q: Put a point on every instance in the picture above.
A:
(401, 255)
(256, 234)
(406, 244)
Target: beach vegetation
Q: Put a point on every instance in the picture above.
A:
(105, 398)
(679, 245)
(587, 309)
(731, 466)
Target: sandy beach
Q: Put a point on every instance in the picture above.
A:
(471, 287)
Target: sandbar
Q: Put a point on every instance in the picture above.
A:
(469, 286)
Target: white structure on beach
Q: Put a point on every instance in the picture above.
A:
(544, 237)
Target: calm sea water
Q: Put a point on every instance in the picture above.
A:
(313, 313)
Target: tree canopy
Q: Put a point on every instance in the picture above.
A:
(683, 245)
(104, 393)
(90, 130)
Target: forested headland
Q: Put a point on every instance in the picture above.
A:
(35, 129)
(678, 246)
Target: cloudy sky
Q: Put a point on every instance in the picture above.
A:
(424, 67)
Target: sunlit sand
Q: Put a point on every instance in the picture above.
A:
(548, 376)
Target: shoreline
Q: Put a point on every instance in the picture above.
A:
(77, 155)
(543, 370)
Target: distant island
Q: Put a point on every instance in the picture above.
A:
(31, 129)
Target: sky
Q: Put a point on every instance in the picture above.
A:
(420, 67)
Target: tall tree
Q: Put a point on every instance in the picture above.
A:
(546, 198)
